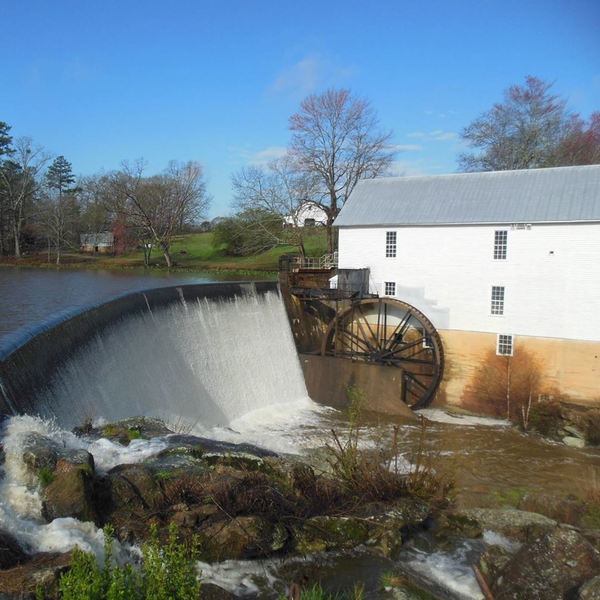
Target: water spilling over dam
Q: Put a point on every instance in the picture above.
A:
(180, 356)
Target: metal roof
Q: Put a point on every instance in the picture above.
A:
(555, 195)
(105, 238)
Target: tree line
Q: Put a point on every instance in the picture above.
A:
(336, 140)
(44, 206)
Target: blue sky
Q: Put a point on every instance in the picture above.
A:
(215, 81)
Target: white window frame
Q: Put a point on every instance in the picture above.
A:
(391, 244)
(500, 244)
(505, 341)
(498, 300)
(392, 285)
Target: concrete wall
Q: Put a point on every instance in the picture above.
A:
(327, 380)
(571, 367)
(551, 276)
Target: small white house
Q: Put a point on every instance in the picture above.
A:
(502, 260)
(307, 214)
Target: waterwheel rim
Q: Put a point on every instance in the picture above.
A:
(391, 333)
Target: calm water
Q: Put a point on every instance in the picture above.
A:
(28, 296)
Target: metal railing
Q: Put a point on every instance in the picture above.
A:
(327, 261)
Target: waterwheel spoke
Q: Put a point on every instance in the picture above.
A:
(398, 332)
(360, 342)
(403, 348)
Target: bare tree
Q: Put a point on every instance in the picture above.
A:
(270, 196)
(20, 181)
(157, 207)
(522, 132)
(336, 137)
(581, 145)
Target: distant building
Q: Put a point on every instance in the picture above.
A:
(306, 215)
(498, 261)
(97, 243)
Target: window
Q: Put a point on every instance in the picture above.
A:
(390, 244)
(505, 345)
(500, 244)
(390, 288)
(497, 300)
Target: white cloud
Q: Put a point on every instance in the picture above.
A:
(437, 135)
(405, 147)
(261, 158)
(411, 168)
(309, 74)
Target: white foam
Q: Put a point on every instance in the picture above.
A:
(441, 416)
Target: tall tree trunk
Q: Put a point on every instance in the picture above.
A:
(168, 259)
(16, 230)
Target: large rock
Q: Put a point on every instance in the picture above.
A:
(573, 442)
(71, 494)
(41, 452)
(11, 553)
(133, 487)
(241, 538)
(318, 534)
(550, 567)
(130, 429)
(43, 571)
(590, 590)
(518, 525)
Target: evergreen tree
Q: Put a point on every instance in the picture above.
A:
(5, 139)
(60, 176)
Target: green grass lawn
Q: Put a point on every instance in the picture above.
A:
(191, 252)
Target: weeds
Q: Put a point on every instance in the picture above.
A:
(134, 434)
(316, 592)
(546, 418)
(166, 573)
(45, 476)
(377, 476)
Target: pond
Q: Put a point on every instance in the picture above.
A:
(28, 296)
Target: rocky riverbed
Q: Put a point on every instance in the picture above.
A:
(266, 520)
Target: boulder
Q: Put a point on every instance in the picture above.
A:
(42, 571)
(134, 428)
(590, 590)
(319, 534)
(11, 553)
(518, 525)
(133, 487)
(241, 538)
(551, 567)
(493, 560)
(573, 442)
(70, 494)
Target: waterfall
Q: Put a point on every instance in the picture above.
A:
(206, 362)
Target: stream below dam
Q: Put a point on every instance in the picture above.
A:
(228, 370)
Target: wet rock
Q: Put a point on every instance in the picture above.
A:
(573, 442)
(493, 560)
(191, 517)
(241, 538)
(210, 591)
(71, 493)
(550, 567)
(134, 486)
(574, 432)
(590, 590)
(134, 428)
(209, 446)
(40, 452)
(11, 553)
(42, 571)
(451, 525)
(519, 525)
(318, 534)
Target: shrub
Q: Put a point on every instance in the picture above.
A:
(134, 434)
(166, 573)
(376, 475)
(592, 427)
(545, 418)
(316, 592)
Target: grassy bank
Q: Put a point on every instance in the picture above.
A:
(190, 252)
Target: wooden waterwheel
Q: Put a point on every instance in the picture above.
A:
(391, 333)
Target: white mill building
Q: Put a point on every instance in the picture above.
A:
(496, 260)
